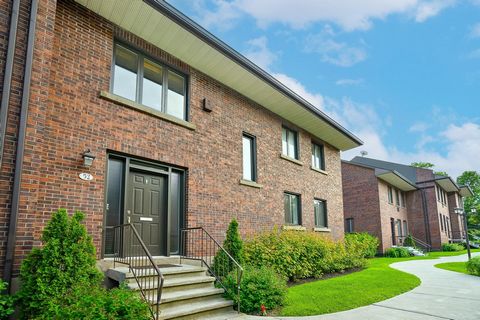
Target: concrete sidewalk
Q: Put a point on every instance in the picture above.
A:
(441, 295)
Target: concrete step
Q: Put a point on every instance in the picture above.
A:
(207, 309)
(121, 274)
(178, 284)
(188, 297)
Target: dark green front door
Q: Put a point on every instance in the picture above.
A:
(147, 209)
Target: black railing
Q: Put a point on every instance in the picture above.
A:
(130, 250)
(198, 244)
(400, 241)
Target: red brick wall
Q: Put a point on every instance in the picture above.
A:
(67, 116)
(456, 220)
(8, 162)
(389, 211)
(361, 199)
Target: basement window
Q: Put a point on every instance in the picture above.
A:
(147, 82)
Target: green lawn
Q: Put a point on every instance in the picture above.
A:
(453, 266)
(375, 283)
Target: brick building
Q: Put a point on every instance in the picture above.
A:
(184, 131)
(391, 201)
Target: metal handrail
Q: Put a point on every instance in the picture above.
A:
(198, 244)
(425, 246)
(129, 249)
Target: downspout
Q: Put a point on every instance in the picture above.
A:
(428, 237)
(7, 77)
(12, 228)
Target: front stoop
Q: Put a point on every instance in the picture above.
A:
(188, 293)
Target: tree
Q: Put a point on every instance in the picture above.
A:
(233, 244)
(428, 165)
(424, 165)
(471, 179)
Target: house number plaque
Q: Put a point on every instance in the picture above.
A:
(86, 176)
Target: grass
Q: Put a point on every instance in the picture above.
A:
(453, 266)
(375, 283)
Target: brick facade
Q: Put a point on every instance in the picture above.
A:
(366, 200)
(73, 56)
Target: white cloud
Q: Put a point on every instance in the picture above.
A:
(475, 54)
(428, 9)
(347, 14)
(333, 51)
(419, 127)
(259, 52)
(475, 31)
(348, 82)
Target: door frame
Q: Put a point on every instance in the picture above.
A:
(153, 167)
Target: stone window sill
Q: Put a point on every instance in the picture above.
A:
(252, 184)
(319, 170)
(294, 228)
(298, 162)
(137, 106)
(321, 229)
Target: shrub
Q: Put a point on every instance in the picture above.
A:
(364, 243)
(233, 244)
(96, 302)
(473, 266)
(409, 242)
(297, 255)
(67, 258)
(259, 286)
(397, 252)
(6, 302)
(452, 247)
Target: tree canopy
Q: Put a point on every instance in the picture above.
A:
(471, 179)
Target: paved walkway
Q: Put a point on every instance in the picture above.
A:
(441, 295)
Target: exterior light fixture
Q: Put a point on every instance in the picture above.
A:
(88, 158)
(458, 211)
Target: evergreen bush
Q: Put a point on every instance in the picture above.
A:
(66, 259)
(233, 244)
(452, 247)
(6, 302)
(473, 266)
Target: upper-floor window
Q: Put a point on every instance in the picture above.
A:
(140, 79)
(349, 225)
(390, 195)
(290, 143)
(292, 208)
(318, 156)
(404, 199)
(320, 213)
(249, 157)
(397, 198)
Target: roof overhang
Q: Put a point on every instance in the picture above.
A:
(395, 179)
(165, 27)
(465, 191)
(447, 184)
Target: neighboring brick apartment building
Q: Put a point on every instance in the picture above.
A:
(185, 131)
(391, 201)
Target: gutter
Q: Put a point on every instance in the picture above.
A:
(175, 15)
(12, 227)
(7, 79)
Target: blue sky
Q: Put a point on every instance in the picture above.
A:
(402, 75)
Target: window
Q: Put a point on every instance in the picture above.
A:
(320, 212)
(138, 78)
(399, 227)
(349, 225)
(318, 157)
(289, 143)
(292, 209)
(405, 228)
(249, 158)
(404, 199)
(390, 195)
(441, 222)
(397, 198)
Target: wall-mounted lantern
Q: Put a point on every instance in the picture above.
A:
(88, 158)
